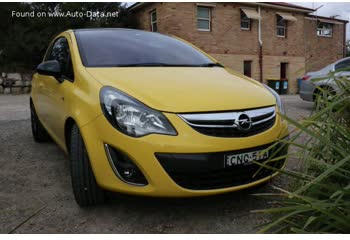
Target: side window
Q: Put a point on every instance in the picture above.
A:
(344, 65)
(60, 52)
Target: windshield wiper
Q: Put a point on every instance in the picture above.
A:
(168, 65)
(153, 65)
(210, 65)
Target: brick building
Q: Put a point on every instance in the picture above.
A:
(261, 40)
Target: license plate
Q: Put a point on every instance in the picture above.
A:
(245, 158)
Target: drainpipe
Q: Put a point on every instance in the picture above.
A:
(260, 49)
(344, 42)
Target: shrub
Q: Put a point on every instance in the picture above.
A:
(319, 200)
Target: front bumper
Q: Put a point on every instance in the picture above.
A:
(207, 171)
(142, 151)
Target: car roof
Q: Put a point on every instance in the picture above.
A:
(327, 68)
(106, 29)
(115, 30)
(340, 60)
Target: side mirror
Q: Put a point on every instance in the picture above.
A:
(49, 68)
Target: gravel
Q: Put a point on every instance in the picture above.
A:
(36, 194)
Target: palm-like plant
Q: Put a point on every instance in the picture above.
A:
(319, 201)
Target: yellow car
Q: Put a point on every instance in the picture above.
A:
(148, 114)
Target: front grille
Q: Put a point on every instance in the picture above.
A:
(229, 124)
(234, 132)
(206, 171)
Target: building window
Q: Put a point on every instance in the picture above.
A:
(247, 68)
(245, 21)
(324, 29)
(203, 18)
(154, 27)
(281, 27)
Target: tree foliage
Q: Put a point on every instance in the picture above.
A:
(23, 40)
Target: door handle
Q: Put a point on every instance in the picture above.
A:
(41, 85)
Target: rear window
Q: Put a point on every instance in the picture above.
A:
(113, 48)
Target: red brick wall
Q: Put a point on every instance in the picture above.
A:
(231, 45)
(226, 36)
(321, 51)
(292, 44)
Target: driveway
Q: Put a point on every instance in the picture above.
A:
(36, 194)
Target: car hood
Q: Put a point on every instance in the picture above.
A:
(186, 89)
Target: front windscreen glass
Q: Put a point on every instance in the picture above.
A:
(123, 48)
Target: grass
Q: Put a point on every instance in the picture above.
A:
(318, 200)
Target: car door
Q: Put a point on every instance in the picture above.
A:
(55, 90)
(39, 92)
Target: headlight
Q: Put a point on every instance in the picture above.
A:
(278, 99)
(130, 116)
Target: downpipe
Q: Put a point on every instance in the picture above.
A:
(260, 47)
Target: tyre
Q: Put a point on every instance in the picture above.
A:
(38, 131)
(85, 188)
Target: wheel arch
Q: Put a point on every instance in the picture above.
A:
(67, 131)
(31, 101)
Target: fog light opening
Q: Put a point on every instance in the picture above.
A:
(124, 168)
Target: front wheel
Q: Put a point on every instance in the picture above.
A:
(85, 188)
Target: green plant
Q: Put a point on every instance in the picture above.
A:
(319, 200)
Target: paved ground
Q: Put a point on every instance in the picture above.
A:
(36, 194)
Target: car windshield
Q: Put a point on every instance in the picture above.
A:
(132, 48)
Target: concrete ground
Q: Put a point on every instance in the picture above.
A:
(36, 194)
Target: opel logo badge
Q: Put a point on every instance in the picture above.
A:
(244, 122)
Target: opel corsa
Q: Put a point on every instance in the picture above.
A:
(149, 114)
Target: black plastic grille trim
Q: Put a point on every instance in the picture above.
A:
(205, 171)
